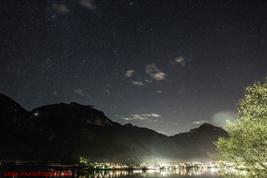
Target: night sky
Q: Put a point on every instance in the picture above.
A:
(167, 65)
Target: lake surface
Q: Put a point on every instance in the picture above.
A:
(178, 173)
(174, 173)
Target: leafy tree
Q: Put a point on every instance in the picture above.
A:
(246, 145)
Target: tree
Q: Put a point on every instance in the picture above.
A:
(246, 145)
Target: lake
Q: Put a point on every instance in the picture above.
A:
(177, 173)
(173, 173)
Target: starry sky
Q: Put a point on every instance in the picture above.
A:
(163, 64)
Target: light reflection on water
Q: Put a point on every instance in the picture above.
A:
(162, 173)
(181, 173)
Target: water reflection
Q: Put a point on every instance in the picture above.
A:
(182, 172)
(207, 172)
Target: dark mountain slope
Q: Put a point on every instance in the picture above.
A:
(11, 112)
(198, 142)
(12, 127)
(83, 130)
(64, 132)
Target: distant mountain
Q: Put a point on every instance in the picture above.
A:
(69, 131)
(12, 128)
(64, 132)
(10, 110)
(198, 142)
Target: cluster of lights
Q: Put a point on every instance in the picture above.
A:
(159, 165)
(165, 168)
(149, 173)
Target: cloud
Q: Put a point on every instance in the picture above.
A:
(181, 61)
(60, 8)
(81, 92)
(129, 73)
(159, 91)
(221, 118)
(153, 71)
(89, 4)
(107, 91)
(144, 116)
(148, 81)
(199, 122)
(138, 83)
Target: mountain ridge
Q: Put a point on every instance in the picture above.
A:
(64, 132)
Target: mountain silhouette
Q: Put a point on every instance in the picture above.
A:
(65, 132)
(199, 141)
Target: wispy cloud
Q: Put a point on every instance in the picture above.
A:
(60, 8)
(159, 91)
(148, 81)
(154, 72)
(80, 92)
(138, 83)
(89, 4)
(144, 116)
(107, 91)
(199, 122)
(129, 73)
(181, 61)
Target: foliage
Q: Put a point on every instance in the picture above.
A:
(247, 142)
(84, 160)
